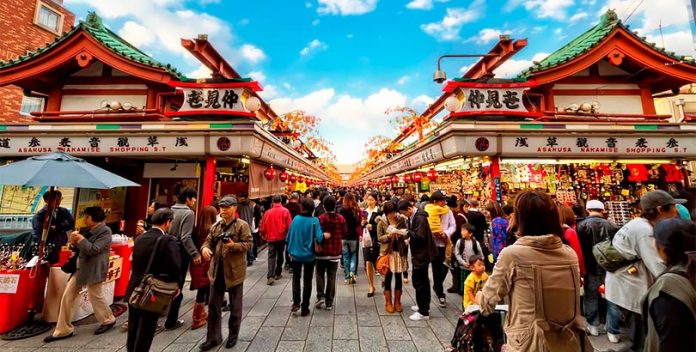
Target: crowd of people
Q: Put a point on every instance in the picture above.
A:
(535, 255)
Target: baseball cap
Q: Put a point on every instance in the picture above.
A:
(227, 202)
(678, 234)
(594, 205)
(437, 196)
(658, 198)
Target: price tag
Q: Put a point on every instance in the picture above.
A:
(9, 283)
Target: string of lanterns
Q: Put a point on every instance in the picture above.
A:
(415, 177)
(270, 173)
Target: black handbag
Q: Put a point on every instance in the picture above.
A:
(154, 294)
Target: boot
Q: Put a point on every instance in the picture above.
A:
(388, 302)
(397, 301)
(200, 316)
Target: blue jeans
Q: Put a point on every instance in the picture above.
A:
(350, 258)
(634, 324)
(592, 297)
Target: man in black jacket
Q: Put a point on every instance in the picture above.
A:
(477, 219)
(423, 252)
(142, 324)
(594, 229)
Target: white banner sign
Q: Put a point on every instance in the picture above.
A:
(9, 283)
(429, 155)
(216, 99)
(103, 145)
(616, 146)
(493, 99)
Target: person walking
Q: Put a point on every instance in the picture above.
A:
(669, 307)
(441, 230)
(295, 209)
(143, 324)
(61, 223)
(459, 220)
(370, 246)
(146, 224)
(250, 212)
(423, 252)
(199, 272)
(571, 236)
(351, 213)
(328, 253)
(274, 227)
(594, 229)
(625, 287)
(182, 230)
(93, 244)
(304, 232)
(392, 233)
(540, 278)
(467, 246)
(499, 225)
(226, 246)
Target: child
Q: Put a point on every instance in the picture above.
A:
(475, 282)
(465, 248)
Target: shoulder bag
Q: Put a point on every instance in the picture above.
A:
(154, 294)
(607, 256)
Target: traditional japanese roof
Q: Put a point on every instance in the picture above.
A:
(96, 29)
(584, 43)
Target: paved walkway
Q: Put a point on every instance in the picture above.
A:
(357, 323)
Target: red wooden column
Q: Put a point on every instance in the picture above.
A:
(208, 181)
(495, 178)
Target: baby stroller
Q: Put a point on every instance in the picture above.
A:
(478, 333)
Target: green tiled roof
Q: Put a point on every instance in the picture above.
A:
(588, 40)
(95, 27)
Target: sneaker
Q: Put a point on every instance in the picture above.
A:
(352, 278)
(348, 282)
(320, 302)
(613, 338)
(414, 308)
(443, 302)
(269, 281)
(593, 330)
(329, 307)
(305, 312)
(417, 317)
(295, 308)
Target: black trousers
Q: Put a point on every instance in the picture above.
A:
(275, 258)
(217, 293)
(421, 282)
(306, 276)
(398, 281)
(326, 280)
(173, 314)
(141, 329)
(439, 272)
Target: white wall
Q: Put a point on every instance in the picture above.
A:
(93, 102)
(617, 104)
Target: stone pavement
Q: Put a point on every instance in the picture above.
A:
(357, 323)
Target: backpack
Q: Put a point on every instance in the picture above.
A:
(606, 255)
(478, 333)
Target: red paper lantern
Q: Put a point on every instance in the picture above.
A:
(283, 176)
(394, 179)
(292, 178)
(417, 177)
(432, 174)
(270, 173)
(407, 178)
(300, 179)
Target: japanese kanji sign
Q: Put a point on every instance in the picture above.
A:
(132, 144)
(213, 100)
(644, 146)
(492, 99)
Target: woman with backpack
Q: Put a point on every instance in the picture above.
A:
(669, 307)
(540, 278)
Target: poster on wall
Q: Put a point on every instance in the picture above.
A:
(112, 201)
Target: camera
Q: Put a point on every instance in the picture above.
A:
(226, 237)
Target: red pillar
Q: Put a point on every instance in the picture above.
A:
(495, 178)
(208, 181)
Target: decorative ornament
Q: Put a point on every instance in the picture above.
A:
(395, 179)
(292, 178)
(407, 178)
(452, 103)
(252, 104)
(283, 176)
(417, 177)
(270, 173)
(300, 179)
(432, 175)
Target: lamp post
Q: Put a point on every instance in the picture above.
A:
(440, 76)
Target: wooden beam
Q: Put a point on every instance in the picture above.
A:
(504, 49)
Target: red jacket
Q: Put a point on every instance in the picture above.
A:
(572, 237)
(275, 223)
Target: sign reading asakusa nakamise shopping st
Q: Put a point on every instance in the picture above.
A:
(102, 145)
(639, 145)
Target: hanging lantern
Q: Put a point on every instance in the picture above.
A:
(432, 174)
(283, 176)
(270, 173)
(395, 179)
(407, 178)
(308, 182)
(300, 179)
(292, 178)
(417, 177)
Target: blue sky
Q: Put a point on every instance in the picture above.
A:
(347, 61)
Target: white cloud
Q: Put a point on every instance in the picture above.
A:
(403, 80)
(651, 14)
(487, 35)
(313, 46)
(422, 4)
(512, 67)
(346, 7)
(315, 22)
(421, 102)
(288, 86)
(555, 9)
(581, 15)
(243, 22)
(269, 92)
(201, 72)
(349, 36)
(680, 42)
(454, 20)
(136, 34)
(257, 76)
(252, 53)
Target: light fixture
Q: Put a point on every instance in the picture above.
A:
(252, 104)
(176, 165)
(452, 103)
(440, 76)
(245, 160)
